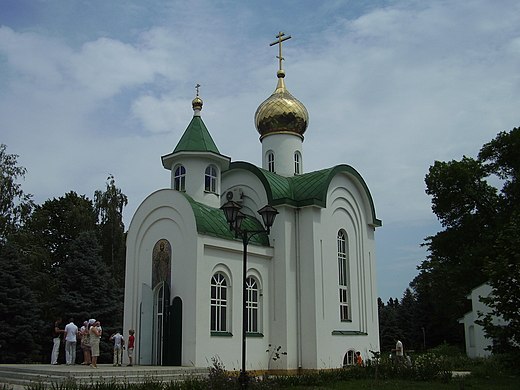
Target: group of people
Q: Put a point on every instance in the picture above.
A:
(89, 336)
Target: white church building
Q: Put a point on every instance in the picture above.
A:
(311, 283)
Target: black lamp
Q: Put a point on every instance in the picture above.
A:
(268, 214)
(231, 210)
(234, 218)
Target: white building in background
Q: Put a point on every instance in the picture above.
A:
(311, 283)
(477, 344)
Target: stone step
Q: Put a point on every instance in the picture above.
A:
(47, 375)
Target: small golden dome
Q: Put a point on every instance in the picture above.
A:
(197, 103)
(281, 112)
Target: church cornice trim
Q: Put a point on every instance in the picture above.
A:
(168, 160)
(348, 333)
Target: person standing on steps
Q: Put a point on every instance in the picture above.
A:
(130, 346)
(95, 337)
(71, 337)
(56, 340)
(85, 343)
(119, 342)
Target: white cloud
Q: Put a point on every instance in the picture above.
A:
(104, 67)
(160, 115)
(33, 58)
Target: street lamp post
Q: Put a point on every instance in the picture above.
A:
(235, 217)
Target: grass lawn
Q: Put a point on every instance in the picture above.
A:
(504, 383)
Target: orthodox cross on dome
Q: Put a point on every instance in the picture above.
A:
(281, 37)
(197, 88)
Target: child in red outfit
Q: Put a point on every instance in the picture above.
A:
(130, 346)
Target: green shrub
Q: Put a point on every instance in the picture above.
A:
(430, 366)
(494, 366)
(447, 350)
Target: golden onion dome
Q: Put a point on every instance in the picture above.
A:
(197, 103)
(281, 112)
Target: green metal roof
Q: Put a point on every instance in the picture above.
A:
(196, 138)
(303, 190)
(212, 222)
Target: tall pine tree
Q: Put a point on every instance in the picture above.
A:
(20, 325)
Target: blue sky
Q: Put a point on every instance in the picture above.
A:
(91, 88)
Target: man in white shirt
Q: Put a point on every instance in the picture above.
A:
(71, 336)
(399, 352)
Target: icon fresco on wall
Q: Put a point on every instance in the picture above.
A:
(161, 260)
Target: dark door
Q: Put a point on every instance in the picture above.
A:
(172, 355)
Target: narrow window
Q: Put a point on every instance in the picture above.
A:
(179, 178)
(210, 181)
(252, 305)
(343, 275)
(270, 162)
(297, 167)
(471, 331)
(219, 303)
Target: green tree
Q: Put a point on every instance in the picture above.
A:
(407, 316)
(460, 192)
(501, 157)
(466, 205)
(20, 325)
(426, 304)
(53, 226)
(45, 243)
(504, 275)
(86, 287)
(109, 207)
(15, 205)
(389, 325)
(479, 242)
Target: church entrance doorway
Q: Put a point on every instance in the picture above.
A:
(160, 322)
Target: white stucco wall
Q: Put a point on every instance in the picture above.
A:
(227, 257)
(283, 146)
(477, 343)
(303, 278)
(165, 214)
(346, 209)
(195, 166)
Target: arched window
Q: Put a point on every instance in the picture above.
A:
(179, 178)
(252, 305)
(210, 181)
(297, 163)
(343, 276)
(219, 303)
(348, 359)
(270, 161)
(471, 331)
